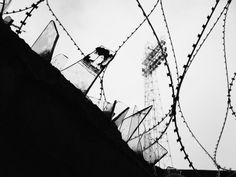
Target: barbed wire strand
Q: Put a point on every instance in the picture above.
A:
(227, 109)
(170, 39)
(229, 85)
(17, 11)
(28, 15)
(230, 89)
(195, 138)
(136, 29)
(64, 29)
(206, 37)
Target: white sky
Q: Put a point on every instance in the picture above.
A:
(108, 22)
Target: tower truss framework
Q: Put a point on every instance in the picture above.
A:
(152, 97)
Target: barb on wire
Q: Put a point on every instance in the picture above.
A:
(62, 26)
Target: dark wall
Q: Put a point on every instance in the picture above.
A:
(47, 126)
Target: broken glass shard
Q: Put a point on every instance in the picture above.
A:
(154, 152)
(84, 73)
(46, 42)
(120, 117)
(136, 120)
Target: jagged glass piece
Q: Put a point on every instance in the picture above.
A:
(109, 109)
(59, 61)
(46, 42)
(136, 120)
(120, 117)
(80, 76)
(84, 73)
(154, 152)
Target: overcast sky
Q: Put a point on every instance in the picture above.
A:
(204, 92)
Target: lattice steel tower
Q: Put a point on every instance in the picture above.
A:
(153, 59)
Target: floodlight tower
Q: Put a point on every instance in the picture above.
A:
(153, 59)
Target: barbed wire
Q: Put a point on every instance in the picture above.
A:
(28, 15)
(229, 95)
(64, 29)
(102, 89)
(195, 138)
(17, 11)
(171, 41)
(226, 68)
(208, 34)
(229, 84)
